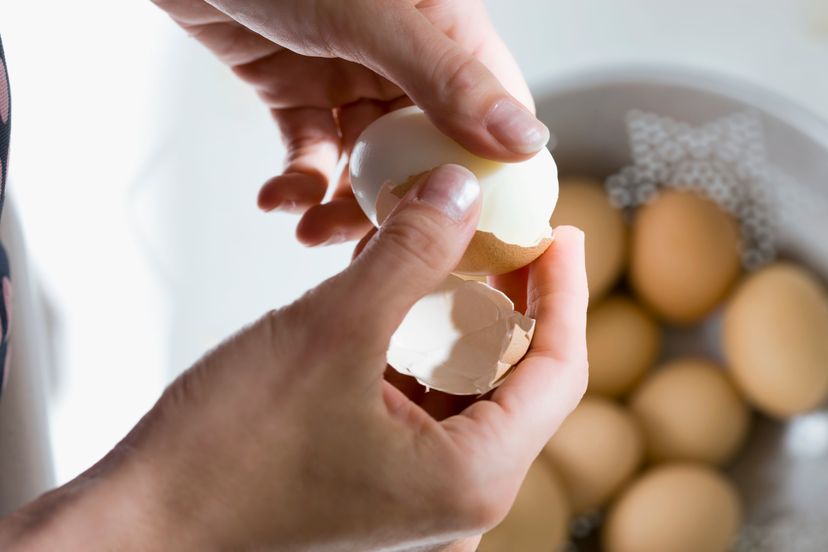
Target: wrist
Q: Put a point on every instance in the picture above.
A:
(113, 506)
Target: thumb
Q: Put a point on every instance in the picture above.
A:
(457, 91)
(416, 248)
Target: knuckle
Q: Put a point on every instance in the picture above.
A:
(459, 74)
(188, 389)
(463, 75)
(248, 72)
(322, 316)
(416, 241)
(478, 510)
(262, 74)
(472, 497)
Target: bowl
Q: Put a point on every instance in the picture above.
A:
(782, 474)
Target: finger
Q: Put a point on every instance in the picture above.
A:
(338, 221)
(468, 544)
(285, 79)
(550, 381)
(468, 24)
(351, 224)
(513, 284)
(558, 297)
(232, 42)
(399, 103)
(354, 117)
(360, 246)
(412, 254)
(343, 187)
(312, 141)
(457, 91)
(192, 13)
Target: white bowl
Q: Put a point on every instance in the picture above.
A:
(783, 473)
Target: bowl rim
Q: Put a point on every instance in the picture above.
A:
(732, 87)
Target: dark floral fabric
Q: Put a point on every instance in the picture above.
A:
(5, 275)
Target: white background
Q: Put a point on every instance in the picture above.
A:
(137, 157)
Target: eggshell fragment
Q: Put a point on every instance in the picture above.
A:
(518, 198)
(685, 255)
(776, 340)
(584, 203)
(623, 341)
(463, 338)
(675, 508)
(596, 451)
(539, 518)
(690, 410)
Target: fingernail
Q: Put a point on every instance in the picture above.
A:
(336, 238)
(452, 189)
(290, 206)
(515, 127)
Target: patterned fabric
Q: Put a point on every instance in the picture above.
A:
(5, 275)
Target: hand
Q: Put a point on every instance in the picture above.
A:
(287, 437)
(327, 68)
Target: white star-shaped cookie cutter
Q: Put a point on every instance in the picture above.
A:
(725, 160)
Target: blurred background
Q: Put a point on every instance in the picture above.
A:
(136, 159)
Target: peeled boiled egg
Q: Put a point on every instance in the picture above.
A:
(462, 338)
(690, 410)
(584, 203)
(685, 255)
(518, 198)
(539, 518)
(623, 341)
(776, 340)
(676, 508)
(596, 451)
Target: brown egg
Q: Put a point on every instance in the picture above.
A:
(685, 255)
(776, 340)
(596, 450)
(582, 202)
(539, 518)
(674, 508)
(623, 341)
(690, 410)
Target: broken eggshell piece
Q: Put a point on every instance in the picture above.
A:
(462, 339)
(518, 198)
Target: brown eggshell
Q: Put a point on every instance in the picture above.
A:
(596, 451)
(486, 255)
(776, 340)
(623, 341)
(582, 202)
(674, 508)
(685, 255)
(690, 410)
(539, 518)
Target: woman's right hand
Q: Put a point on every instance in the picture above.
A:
(328, 68)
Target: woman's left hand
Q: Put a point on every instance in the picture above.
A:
(288, 436)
